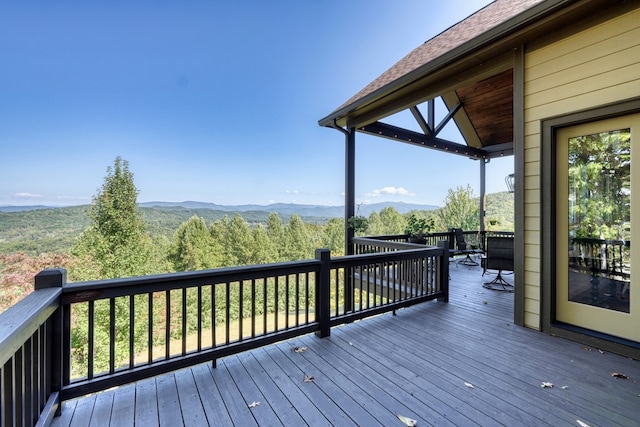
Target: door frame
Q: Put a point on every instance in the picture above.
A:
(549, 323)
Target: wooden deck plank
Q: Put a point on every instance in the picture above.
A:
(510, 365)
(146, 412)
(124, 404)
(272, 395)
(102, 409)
(328, 407)
(190, 400)
(239, 411)
(392, 399)
(356, 404)
(83, 411)
(515, 348)
(488, 393)
(169, 411)
(212, 402)
(299, 402)
(263, 413)
(451, 393)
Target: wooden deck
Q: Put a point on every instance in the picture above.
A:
(463, 363)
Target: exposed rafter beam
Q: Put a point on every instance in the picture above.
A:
(447, 118)
(428, 141)
(426, 128)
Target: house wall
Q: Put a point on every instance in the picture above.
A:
(593, 65)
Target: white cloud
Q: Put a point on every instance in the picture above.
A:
(29, 196)
(291, 191)
(390, 191)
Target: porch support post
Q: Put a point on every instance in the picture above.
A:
(483, 191)
(349, 188)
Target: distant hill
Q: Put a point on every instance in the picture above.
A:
(8, 208)
(38, 229)
(288, 209)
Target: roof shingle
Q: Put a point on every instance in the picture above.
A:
(466, 30)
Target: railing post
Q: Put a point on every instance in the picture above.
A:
(443, 270)
(55, 358)
(323, 294)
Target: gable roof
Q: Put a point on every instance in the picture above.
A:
(483, 27)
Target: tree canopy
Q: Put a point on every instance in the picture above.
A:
(116, 241)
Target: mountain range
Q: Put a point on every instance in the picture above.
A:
(282, 209)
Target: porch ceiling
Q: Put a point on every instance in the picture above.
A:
(486, 117)
(482, 111)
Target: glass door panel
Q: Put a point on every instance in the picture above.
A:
(594, 226)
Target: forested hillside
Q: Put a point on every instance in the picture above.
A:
(500, 211)
(54, 230)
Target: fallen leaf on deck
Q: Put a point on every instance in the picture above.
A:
(407, 421)
(619, 375)
(581, 424)
(308, 378)
(586, 348)
(253, 404)
(299, 349)
(546, 385)
(485, 302)
(469, 385)
(564, 387)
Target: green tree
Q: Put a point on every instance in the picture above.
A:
(376, 227)
(238, 241)
(262, 249)
(116, 240)
(392, 221)
(333, 236)
(461, 210)
(193, 247)
(275, 232)
(298, 244)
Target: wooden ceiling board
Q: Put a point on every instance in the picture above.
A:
(488, 104)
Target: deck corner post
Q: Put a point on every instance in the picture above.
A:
(51, 278)
(442, 275)
(55, 358)
(323, 296)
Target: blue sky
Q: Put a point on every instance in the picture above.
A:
(214, 101)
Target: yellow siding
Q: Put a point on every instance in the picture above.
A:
(591, 68)
(532, 223)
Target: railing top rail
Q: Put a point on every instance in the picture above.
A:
(406, 254)
(389, 244)
(22, 319)
(160, 282)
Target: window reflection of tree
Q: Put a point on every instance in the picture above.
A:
(599, 214)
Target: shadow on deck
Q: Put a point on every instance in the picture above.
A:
(458, 363)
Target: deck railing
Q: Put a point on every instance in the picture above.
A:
(474, 239)
(68, 339)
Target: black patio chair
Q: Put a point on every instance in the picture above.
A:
(499, 256)
(462, 248)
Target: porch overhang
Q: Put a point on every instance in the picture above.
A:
(470, 62)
